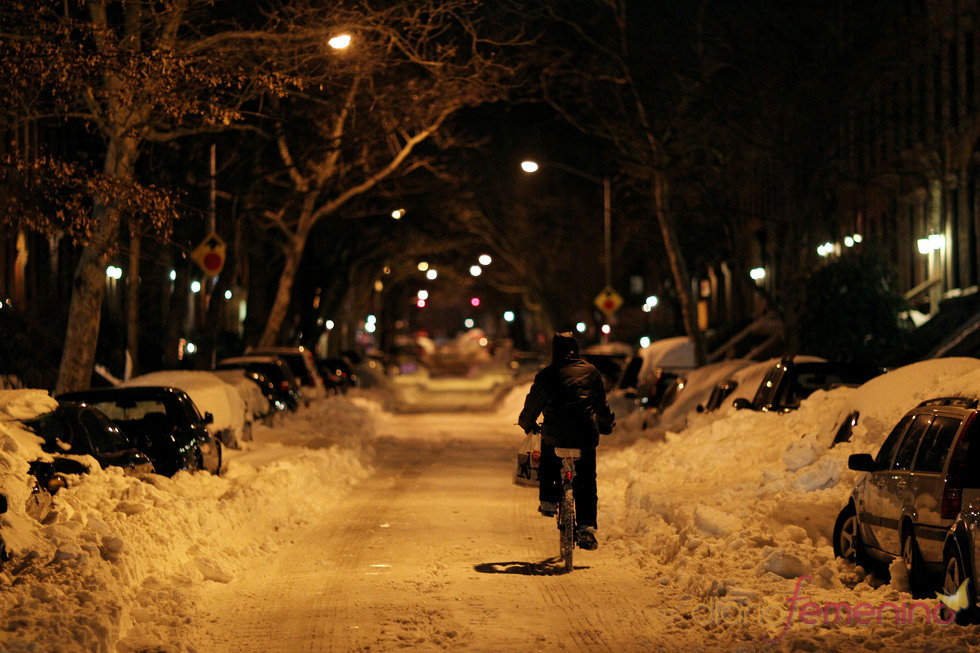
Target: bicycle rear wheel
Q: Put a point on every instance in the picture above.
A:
(566, 525)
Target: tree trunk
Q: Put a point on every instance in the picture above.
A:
(678, 266)
(84, 317)
(85, 311)
(280, 306)
(133, 305)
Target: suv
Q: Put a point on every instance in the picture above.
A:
(914, 488)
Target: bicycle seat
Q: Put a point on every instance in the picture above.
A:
(563, 452)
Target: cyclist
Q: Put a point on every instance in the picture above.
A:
(570, 394)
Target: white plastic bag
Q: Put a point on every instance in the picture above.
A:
(528, 457)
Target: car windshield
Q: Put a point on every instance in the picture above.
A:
(126, 410)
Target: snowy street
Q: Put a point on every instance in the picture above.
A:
(436, 550)
(347, 527)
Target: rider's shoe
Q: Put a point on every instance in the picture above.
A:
(586, 539)
(548, 509)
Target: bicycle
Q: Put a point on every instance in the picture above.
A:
(566, 507)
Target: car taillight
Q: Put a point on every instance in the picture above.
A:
(956, 473)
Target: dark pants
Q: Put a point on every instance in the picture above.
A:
(549, 483)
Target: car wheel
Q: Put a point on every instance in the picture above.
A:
(913, 562)
(954, 574)
(847, 535)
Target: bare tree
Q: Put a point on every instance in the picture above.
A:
(408, 68)
(125, 73)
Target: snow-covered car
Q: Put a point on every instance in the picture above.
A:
(231, 420)
(257, 393)
(163, 422)
(80, 430)
(650, 372)
(690, 392)
(913, 489)
(792, 379)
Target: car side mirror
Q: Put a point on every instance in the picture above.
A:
(861, 462)
(741, 403)
(208, 418)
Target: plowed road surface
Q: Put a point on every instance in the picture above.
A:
(437, 551)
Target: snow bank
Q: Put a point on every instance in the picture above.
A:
(117, 564)
(735, 511)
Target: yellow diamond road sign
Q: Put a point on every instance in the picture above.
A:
(608, 301)
(210, 255)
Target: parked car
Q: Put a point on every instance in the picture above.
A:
(913, 489)
(649, 374)
(688, 393)
(231, 419)
(77, 429)
(261, 398)
(794, 378)
(300, 361)
(274, 368)
(162, 421)
(338, 374)
(610, 359)
(961, 555)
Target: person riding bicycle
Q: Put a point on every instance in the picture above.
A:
(570, 394)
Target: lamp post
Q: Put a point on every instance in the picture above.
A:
(532, 166)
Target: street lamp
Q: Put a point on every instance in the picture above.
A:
(530, 167)
(339, 42)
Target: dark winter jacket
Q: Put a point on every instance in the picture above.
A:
(570, 394)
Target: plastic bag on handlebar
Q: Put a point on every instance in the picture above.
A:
(528, 458)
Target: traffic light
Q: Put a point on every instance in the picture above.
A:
(475, 301)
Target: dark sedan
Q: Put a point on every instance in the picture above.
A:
(77, 429)
(275, 369)
(163, 422)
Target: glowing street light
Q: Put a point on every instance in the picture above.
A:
(485, 259)
(397, 214)
(476, 270)
(339, 42)
(431, 274)
(529, 166)
(508, 316)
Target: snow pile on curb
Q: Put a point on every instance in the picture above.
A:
(734, 512)
(116, 564)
